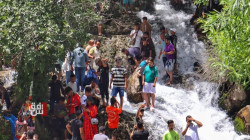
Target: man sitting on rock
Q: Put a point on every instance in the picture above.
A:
(113, 112)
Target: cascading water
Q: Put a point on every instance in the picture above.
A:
(176, 103)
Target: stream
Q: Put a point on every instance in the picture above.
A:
(177, 102)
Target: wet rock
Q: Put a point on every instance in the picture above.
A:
(233, 100)
(133, 89)
(126, 123)
(242, 120)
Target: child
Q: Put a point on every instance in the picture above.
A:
(72, 83)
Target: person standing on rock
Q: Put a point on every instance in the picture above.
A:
(149, 80)
(130, 2)
(146, 46)
(113, 112)
(171, 134)
(139, 133)
(173, 39)
(163, 45)
(164, 31)
(80, 58)
(94, 53)
(191, 130)
(136, 36)
(91, 44)
(169, 66)
(103, 72)
(75, 127)
(119, 80)
(145, 26)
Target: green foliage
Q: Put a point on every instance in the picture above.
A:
(229, 33)
(200, 2)
(53, 26)
(239, 125)
(5, 129)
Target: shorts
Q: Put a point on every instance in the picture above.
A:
(170, 65)
(148, 88)
(128, 2)
(115, 90)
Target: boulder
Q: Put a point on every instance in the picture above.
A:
(133, 89)
(242, 120)
(233, 100)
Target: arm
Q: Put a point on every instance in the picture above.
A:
(143, 78)
(155, 82)
(103, 63)
(132, 134)
(131, 35)
(111, 80)
(160, 54)
(125, 86)
(136, 62)
(197, 122)
(185, 130)
(137, 114)
(81, 133)
(68, 126)
(150, 53)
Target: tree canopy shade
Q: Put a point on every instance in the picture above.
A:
(52, 25)
(229, 32)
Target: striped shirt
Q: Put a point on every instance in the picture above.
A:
(119, 76)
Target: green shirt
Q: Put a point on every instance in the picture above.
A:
(150, 73)
(172, 135)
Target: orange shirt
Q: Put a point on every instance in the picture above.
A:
(113, 116)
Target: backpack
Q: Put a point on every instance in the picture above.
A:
(91, 76)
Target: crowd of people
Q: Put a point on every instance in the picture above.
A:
(75, 107)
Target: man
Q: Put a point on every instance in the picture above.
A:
(80, 58)
(140, 113)
(130, 2)
(145, 26)
(75, 128)
(133, 56)
(101, 135)
(164, 31)
(191, 130)
(72, 83)
(73, 102)
(136, 36)
(56, 89)
(169, 52)
(103, 72)
(88, 92)
(95, 53)
(171, 134)
(119, 80)
(146, 46)
(139, 133)
(140, 71)
(60, 112)
(173, 39)
(113, 112)
(149, 80)
(4, 95)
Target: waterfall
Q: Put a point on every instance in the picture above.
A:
(176, 103)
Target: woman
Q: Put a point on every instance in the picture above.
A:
(89, 112)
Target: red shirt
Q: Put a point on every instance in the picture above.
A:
(113, 116)
(74, 102)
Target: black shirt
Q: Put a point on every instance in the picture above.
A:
(75, 125)
(104, 78)
(55, 88)
(146, 50)
(140, 135)
(173, 39)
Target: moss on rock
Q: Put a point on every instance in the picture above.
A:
(239, 125)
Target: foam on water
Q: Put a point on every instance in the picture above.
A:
(177, 103)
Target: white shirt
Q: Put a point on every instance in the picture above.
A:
(192, 133)
(66, 64)
(94, 52)
(138, 38)
(83, 100)
(73, 86)
(100, 137)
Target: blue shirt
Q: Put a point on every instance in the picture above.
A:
(80, 57)
(143, 63)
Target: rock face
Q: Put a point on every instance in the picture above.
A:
(133, 87)
(126, 123)
(233, 100)
(243, 116)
